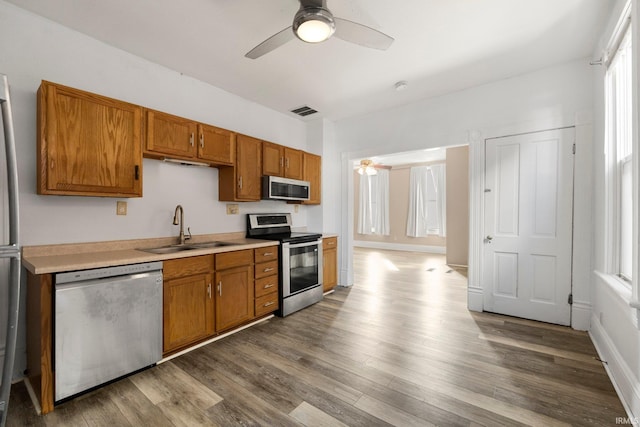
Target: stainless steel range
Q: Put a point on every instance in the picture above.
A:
(300, 260)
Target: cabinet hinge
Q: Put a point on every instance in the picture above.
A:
(570, 299)
(574, 148)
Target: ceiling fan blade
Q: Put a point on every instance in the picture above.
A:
(273, 42)
(361, 34)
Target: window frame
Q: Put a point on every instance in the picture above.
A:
(617, 156)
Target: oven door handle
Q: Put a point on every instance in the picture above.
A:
(302, 245)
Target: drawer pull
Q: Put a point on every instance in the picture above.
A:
(269, 303)
(270, 285)
(267, 254)
(266, 270)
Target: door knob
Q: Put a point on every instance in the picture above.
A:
(488, 239)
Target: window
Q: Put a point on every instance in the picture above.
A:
(426, 214)
(373, 210)
(619, 154)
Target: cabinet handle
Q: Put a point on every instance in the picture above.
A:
(136, 172)
(202, 140)
(240, 182)
(191, 139)
(52, 164)
(267, 254)
(209, 290)
(281, 161)
(220, 288)
(269, 303)
(266, 270)
(270, 285)
(287, 163)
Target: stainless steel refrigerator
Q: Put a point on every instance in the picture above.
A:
(9, 247)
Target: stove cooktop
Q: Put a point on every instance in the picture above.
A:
(276, 226)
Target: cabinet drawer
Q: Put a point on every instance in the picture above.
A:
(266, 254)
(329, 242)
(266, 304)
(187, 266)
(234, 259)
(266, 269)
(266, 285)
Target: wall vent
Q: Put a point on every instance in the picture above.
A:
(304, 111)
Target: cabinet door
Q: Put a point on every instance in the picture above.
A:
(248, 168)
(216, 145)
(234, 297)
(292, 163)
(272, 159)
(88, 144)
(312, 167)
(170, 135)
(188, 311)
(329, 263)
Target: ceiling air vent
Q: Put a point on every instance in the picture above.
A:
(304, 111)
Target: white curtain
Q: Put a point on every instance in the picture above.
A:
(439, 182)
(381, 207)
(364, 206)
(373, 209)
(427, 203)
(418, 197)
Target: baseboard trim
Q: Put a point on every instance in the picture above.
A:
(475, 299)
(400, 247)
(620, 374)
(581, 315)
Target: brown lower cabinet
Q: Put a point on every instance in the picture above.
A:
(187, 302)
(329, 263)
(234, 289)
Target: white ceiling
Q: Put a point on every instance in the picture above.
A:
(440, 45)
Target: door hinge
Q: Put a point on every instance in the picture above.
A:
(574, 148)
(570, 299)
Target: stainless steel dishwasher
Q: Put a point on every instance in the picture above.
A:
(108, 323)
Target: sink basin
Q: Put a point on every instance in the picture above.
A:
(190, 246)
(166, 249)
(209, 244)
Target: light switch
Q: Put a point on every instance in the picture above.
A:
(233, 209)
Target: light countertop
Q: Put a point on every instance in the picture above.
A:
(81, 256)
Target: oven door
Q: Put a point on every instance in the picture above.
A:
(301, 266)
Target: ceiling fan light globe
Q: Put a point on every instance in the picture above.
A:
(313, 25)
(370, 170)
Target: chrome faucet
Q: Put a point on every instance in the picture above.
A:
(180, 220)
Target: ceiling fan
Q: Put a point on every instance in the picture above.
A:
(314, 23)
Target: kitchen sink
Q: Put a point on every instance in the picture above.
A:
(186, 247)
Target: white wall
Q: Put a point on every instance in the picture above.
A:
(552, 97)
(614, 324)
(34, 49)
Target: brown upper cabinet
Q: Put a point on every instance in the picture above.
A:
(88, 145)
(242, 182)
(179, 138)
(216, 145)
(278, 160)
(312, 172)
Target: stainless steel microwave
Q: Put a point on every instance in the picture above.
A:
(277, 188)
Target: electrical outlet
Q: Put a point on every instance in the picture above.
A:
(121, 208)
(233, 209)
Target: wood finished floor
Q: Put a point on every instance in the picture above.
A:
(398, 348)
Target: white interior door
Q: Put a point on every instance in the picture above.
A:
(528, 225)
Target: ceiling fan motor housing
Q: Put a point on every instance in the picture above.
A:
(307, 14)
